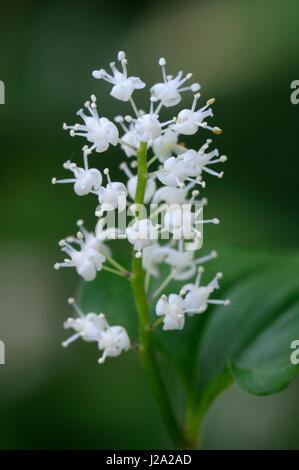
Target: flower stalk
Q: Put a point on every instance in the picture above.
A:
(147, 352)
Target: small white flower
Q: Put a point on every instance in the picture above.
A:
(87, 260)
(190, 163)
(132, 184)
(112, 196)
(172, 308)
(189, 120)
(174, 173)
(111, 233)
(92, 327)
(140, 234)
(183, 223)
(148, 127)
(88, 327)
(152, 256)
(171, 195)
(196, 300)
(169, 91)
(183, 262)
(130, 138)
(177, 170)
(123, 86)
(197, 297)
(99, 131)
(167, 144)
(199, 161)
(85, 180)
(105, 234)
(92, 241)
(179, 220)
(113, 340)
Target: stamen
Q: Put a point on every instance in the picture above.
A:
(217, 130)
(121, 55)
(198, 278)
(72, 302)
(134, 107)
(195, 99)
(195, 193)
(152, 100)
(197, 181)
(101, 360)
(129, 118)
(206, 258)
(106, 172)
(113, 68)
(70, 340)
(214, 282)
(124, 167)
(68, 180)
(166, 123)
(85, 159)
(163, 285)
(218, 302)
(183, 80)
(211, 221)
(158, 108)
(124, 67)
(162, 63)
(222, 159)
(120, 120)
(212, 172)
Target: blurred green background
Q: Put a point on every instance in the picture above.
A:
(245, 53)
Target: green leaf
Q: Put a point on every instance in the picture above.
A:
(255, 332)
(181, 347)
(263, 380)
(247, 342)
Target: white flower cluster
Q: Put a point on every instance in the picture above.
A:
(192, 299)
(180, 172)
(92, 327)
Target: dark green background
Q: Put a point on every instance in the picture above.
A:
(245, 53)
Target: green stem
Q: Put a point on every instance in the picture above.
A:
(122, 142)
(147, 353)
(157, 322)
(114, 263)
(148, 278)
(192, 423)
(142, 170)
(163, 285)
(114, 271)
